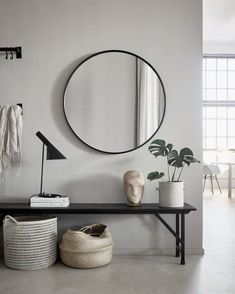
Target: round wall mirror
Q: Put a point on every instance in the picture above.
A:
(114, 101)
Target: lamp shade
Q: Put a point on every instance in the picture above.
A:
(52, 152)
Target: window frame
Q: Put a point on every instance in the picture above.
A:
(218, 103)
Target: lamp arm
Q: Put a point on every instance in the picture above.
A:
(43, 138)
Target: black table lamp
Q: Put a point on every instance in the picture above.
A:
(52, 153)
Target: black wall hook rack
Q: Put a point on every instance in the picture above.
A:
(21, 106)
(9, 51)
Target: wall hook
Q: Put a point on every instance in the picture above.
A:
(21, 106)
(12, 50)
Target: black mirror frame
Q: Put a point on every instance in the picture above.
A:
(99, 53)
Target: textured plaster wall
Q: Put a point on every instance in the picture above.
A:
(55, 35)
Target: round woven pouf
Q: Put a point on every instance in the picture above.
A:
(29, 243)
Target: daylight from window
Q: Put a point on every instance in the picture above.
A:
(218, 109)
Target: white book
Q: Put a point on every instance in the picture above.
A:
(49, 204)
(38, 199)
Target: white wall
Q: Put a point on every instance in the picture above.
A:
(55, 35)
(218, 47)
(218, 27)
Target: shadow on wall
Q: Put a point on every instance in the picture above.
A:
(106, 188)
(97, 188)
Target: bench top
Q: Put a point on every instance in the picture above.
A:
(94, 208)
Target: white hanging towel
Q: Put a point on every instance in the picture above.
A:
(11, 123)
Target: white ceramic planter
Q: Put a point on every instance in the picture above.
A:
(171, 194)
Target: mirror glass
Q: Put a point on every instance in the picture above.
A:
(114, 101)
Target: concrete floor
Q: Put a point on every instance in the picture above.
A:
(135, 274)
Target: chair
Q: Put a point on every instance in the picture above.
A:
(210, 171)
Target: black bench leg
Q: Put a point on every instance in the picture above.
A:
(177, 230)
(182, 238)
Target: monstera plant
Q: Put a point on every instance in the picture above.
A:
(176, 161)
(171, 192)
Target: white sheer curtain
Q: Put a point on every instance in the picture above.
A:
(149, 105)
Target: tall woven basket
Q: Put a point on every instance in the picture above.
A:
(29, 243)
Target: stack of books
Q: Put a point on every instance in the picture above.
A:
(49, 200)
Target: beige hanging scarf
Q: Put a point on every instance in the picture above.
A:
(11, 124)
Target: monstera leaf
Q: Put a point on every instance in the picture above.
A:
(159, 148)
(190, 159)
(155, 176)
(178, 160)
(174, 159)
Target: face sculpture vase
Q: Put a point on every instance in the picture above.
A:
(133, 185)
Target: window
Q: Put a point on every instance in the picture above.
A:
(218, 103)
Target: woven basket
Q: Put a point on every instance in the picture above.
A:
(29, 243)
(90, 247)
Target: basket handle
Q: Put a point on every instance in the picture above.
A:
(8, 217)
(86, 229)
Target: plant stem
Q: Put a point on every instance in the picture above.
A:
(180, 173)
(168, 169)
(173, 177)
